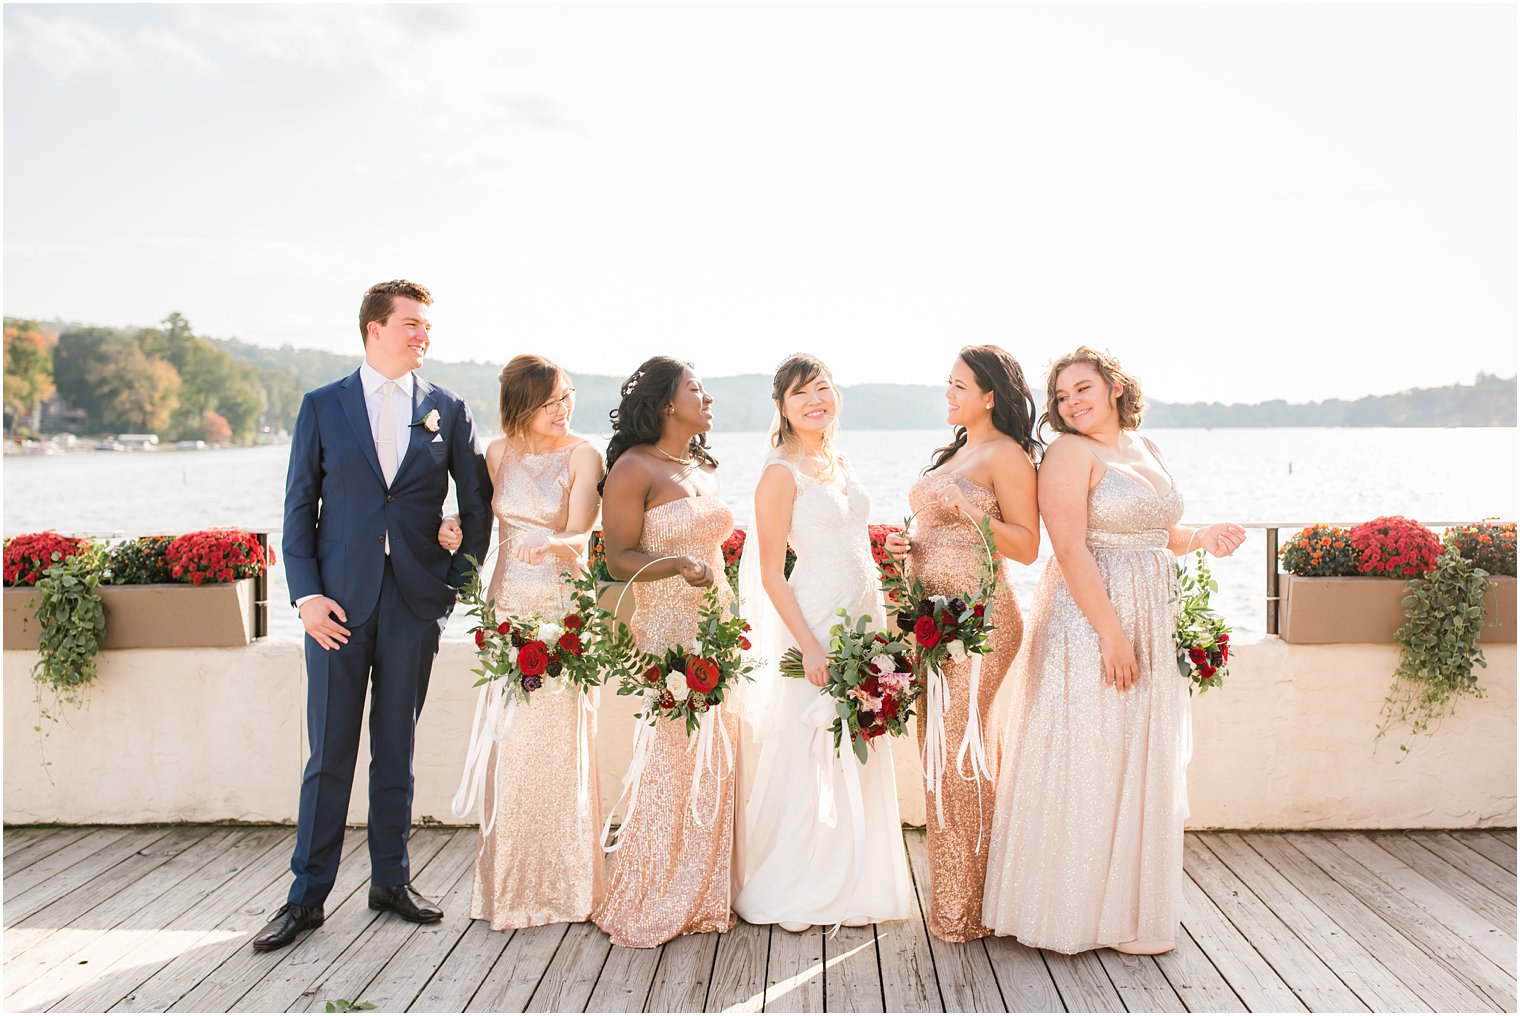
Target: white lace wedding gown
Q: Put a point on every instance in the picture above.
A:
(793, 865)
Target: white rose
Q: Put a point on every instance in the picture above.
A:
(957, 650)
(675, 683)
(884, 665)
(549, 632)
(512, 654)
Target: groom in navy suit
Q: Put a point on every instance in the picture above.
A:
(370, 463)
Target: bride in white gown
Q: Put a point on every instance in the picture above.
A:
(821, 836)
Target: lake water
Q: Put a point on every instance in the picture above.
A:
(1249, 476)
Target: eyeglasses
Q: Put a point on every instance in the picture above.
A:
(565, 401)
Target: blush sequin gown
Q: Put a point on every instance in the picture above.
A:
(947, 556)
(671, 876)
(1087, 842)
(541, 862)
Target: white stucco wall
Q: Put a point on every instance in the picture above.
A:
(218, 734)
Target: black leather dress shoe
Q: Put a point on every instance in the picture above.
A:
(405, 902)
(289, 921)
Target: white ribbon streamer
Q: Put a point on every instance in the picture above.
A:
(643, 739)
(585, 738)
(711, 719)
(491, 724)
(935, 750)
(972, 745)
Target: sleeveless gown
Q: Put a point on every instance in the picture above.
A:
(947, 557)
(670, 876)
(1087, 845)
(541, 863)
(795, 868)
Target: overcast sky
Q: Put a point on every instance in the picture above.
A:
(1243, 202)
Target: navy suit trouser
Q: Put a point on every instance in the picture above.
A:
(392, 650)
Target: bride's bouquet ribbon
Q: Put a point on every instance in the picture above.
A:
(491, 725)
(643, 740)
(936, 761)
(973, 748)
(711, 721)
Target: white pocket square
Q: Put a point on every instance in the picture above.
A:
(437, 439)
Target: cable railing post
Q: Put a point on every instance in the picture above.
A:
(1272, 590)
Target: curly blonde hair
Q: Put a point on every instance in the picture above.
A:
(1131, 401)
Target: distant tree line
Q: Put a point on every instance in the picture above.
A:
(168, 381)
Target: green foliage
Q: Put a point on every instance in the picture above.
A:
(71, 622)
(139, 562)
(1440, 644)
(28, 371)
(344, 1005)
(1202, 637)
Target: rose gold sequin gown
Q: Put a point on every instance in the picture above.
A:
(947, 557)
(541, 863)
(1087, 845)
(670, 876)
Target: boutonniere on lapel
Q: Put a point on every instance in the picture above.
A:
(430, 421)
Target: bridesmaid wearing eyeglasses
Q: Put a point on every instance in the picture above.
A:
(541, 862)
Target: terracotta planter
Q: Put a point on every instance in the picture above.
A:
(153, 617)
(1318, 611)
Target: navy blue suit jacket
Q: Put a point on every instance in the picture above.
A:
(338, 508)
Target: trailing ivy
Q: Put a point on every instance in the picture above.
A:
(71, 623)
(1440, 646)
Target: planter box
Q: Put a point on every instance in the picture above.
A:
(153, 617)
(1318, 611)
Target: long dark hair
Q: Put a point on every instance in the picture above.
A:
(1012, 405)
(640, 415)
(795, 371)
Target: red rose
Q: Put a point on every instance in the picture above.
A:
(889, 707)
(1198, 655)
(979, 610)
(744, 643)
(573, 622)
(871, 685)
(746, 626)
(504, 628)
(570, 643)
(532, 658)
(1224, 639)
(1224, 651)
(926, 632)
(480, 638)
(1207, 671)
(702, 675)
(653, 675)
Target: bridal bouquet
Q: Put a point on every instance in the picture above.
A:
(1203, 639)
(683, 683)
(943, 626)
(870, 681)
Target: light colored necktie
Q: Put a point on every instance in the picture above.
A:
(385, 432)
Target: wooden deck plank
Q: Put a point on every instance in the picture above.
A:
(114, 981)
(42, 843)
(1471, 863)
(398, 985)
(794, 974)
(903, 948)
(1410, 920)
(962, 969)
(1195, 979)
(1474, 929)
(387, 938)
(515, 976)
(683, 974)
(82, 899)
(249, 975)
(1504, 836)
(349, 924)
(852, 971)
(461, 973)
(626, 979)
(1082, 982)
(13, 838)
(1500, 853)
(1140, 983)
(229, 934)
(1315, 984)
(1022, 976)
(1487, 903)
(738, 977)
(76, 955)
(1378, 987)
(56, 876)
(572, 974)
(1441, 988)
(1249, 975)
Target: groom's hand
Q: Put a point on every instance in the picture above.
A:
(317, 618)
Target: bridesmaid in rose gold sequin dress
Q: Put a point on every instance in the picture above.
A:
(987, 471)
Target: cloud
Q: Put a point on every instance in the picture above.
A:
(63, 46)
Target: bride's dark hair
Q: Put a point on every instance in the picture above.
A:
(1012, 406)
(640, 415)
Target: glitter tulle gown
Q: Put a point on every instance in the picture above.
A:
(541, 862)
(794, 867)
(947, 556)
(1087, 841)
(671, 876)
